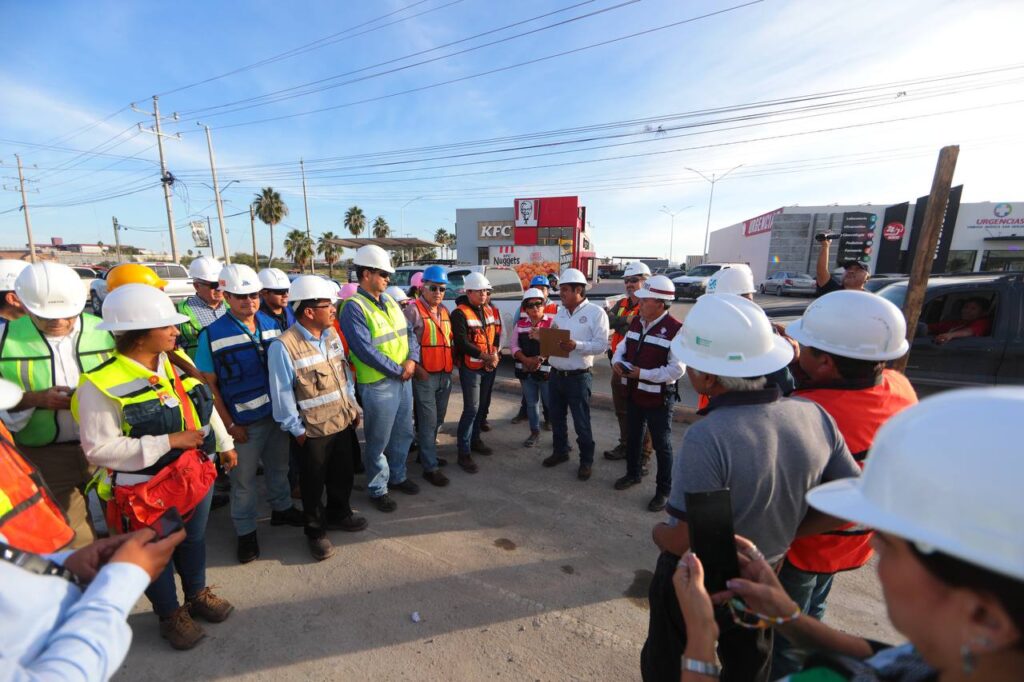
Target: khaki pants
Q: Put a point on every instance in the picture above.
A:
(620, 400)
(66, 471)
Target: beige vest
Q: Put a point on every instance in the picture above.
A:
(320, 385)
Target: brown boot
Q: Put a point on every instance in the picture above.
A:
(180, 630)
(210, 607)
(467, 463)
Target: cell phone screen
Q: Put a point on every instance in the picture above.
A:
(712, 538)
(169, 522)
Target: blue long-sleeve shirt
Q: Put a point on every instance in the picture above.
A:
(282, 379)
(357, 333)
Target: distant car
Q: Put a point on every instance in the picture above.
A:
(179, 284)
(87, 275)
(694, 283)
(784, 283)
(879, 282)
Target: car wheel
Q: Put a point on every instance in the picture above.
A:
(97, 304)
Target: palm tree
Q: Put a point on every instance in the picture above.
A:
(441, 237)
(331, 252)
(381, 229)
(299, 247)
(355, 221)
(271, 210)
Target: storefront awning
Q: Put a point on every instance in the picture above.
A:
(386, 243)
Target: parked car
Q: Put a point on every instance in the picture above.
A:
(695, 281)
(179, 284)
(878, 282)
(506, 292)
(88, 276)
(784, 283)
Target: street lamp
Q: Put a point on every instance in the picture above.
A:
(713, 179)
(403, 212)
(672, 230)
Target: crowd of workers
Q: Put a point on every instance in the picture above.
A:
(109, 422)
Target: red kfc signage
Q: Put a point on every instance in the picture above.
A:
(760, 224)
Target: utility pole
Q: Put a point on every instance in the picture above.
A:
(217, 199)
(117, 238)
(209, 231)
(713, 179)
(252, 226)
(672, 230)
(24, 207)
(305, 203)
(934, 214)
(166, 179)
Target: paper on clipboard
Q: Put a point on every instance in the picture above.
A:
(549, 340)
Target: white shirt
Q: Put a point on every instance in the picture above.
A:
(588, 327)
(666, 374)
(105, 444)
(65, 373)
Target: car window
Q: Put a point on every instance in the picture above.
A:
(895, 294)
(455, 280)
(704, 270)
(947, 310)
(173, 271)
(85, 273)
(403, 278)
(505, 282)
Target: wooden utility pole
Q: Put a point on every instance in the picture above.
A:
(217, 200)
(252, 226)
(117, 238)
(166, 179)
(934, 214)
(309, 236)
(24, 207)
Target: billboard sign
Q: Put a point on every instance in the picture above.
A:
(494, 230)
(527, 212)
(200, 235)
(857, 236)
(760, 224)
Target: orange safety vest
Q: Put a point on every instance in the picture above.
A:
(436, 339)
(485, 334)
(30, 518)
(623, 309)
(344, 344)
(859, 412)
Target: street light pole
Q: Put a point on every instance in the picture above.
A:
(713, 179)
(672, 229)
(403, 217)
(216, 196)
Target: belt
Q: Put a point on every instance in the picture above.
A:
(569, 372)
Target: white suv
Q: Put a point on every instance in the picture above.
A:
(179, 284)
(695, 281)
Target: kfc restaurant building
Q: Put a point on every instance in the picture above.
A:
(536, 235)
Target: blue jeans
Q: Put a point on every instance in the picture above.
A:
(535, 394)
(387, 424)
(476, 397)
(269, 444)
(571, 394)
(659, 424)
(809, 591)
(431, 400)
(188, 560)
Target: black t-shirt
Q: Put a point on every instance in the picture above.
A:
(830, 286)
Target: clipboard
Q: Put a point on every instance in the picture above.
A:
(549, 340)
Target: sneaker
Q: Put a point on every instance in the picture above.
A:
(406, 486)
(532, 441)
(350, 523)
(555, 459)
(248, 548)
(657, 503)
(321, 548)
(436, 478)
(626, 482)
(480, 448)
(287, 517)
(485, 426)
(209, 607)
(467, 464)
(616, 453)
(583, 473)
(384, 503)
(546, 425)
(180, 630)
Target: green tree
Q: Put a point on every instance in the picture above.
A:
(299, 247)
(271, 210)
(355, 221)
(330, 251)
(441, 237)
(381, 229)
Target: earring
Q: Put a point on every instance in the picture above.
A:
(967, 659)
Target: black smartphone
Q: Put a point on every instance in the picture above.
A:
(712, 539)
(169, 522)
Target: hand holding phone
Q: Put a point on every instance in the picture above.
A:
(169, 522)
(709, 516)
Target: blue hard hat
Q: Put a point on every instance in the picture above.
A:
(540, 281)
(435, 273)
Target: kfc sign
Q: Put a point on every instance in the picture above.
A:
(760, 224)
(526, 212)
(488, 229)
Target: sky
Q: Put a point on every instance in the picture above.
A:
(434, 105)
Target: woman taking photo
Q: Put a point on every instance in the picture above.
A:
(531, 369)
(148, 419)
(950, 553)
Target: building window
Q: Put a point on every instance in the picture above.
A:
(1008, 260)
(961, 261)
(483, 254)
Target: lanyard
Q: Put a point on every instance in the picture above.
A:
(34, 563)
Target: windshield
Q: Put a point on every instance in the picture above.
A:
(455, 280)
(703, 271)
(894, 294)
(402, 278)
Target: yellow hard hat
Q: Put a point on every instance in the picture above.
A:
(133, 273)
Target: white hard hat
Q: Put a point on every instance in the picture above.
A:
(311, 287)
(50, 290)
(658, 286)
(10, 394)
(9, 271)
(272, 278)
(729, 336)
(732, 280)
(572, 276)
(533, 293)
(372, 256)
(475, 281)
(637, 269)
(138, 306)
(239, 279)
(853, 324)
(397, 293)
(205, 268)
(946, 475)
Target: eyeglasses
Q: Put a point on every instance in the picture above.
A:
(383, 273)
(319, 307)
(252, 296)
(277, 292)
(434, 287)
(213, 286)
(537, 304)
(632, 280)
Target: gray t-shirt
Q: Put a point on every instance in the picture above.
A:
(769, 454)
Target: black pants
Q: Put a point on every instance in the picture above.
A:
(658, 423)
(326, 463)
(745, 654)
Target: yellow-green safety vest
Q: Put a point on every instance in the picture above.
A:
(388, 334)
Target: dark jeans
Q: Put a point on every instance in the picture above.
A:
(326, 463)
(188, 560)
(571, 394)
(745, 654)
(658, 421)
(809, 591)
(476, 400)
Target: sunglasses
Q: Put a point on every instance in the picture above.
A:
(538, 304)
(383, 273)
(632, 280)
(213, 286)
(434, 287)
(252, 296)
(277, 292)
(321, 306)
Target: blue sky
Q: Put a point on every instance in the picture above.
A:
(69, 66)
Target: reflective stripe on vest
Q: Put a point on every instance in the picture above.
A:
(622, 309)
(435, 342)
(649, 351)
(388, 334)
(530, 347)
(241, 365)
(320, 383)
(27, 360)
(484, 334)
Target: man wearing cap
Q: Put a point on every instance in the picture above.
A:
(274, 297)
(569, 385)
(44, 353)
(231, 354)
(647, 372)
(206, 306)
(855, 273)
(10, 306)
(753, 442)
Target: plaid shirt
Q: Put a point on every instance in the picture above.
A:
(204, 313)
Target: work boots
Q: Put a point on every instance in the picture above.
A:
(180, 630)
(209, 607)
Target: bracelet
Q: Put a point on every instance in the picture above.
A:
(701, 667)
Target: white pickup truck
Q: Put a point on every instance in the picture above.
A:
(179, 284)
(506, 292)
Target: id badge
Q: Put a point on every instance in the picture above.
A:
(170, 401)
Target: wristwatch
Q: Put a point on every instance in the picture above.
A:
(701, 667)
